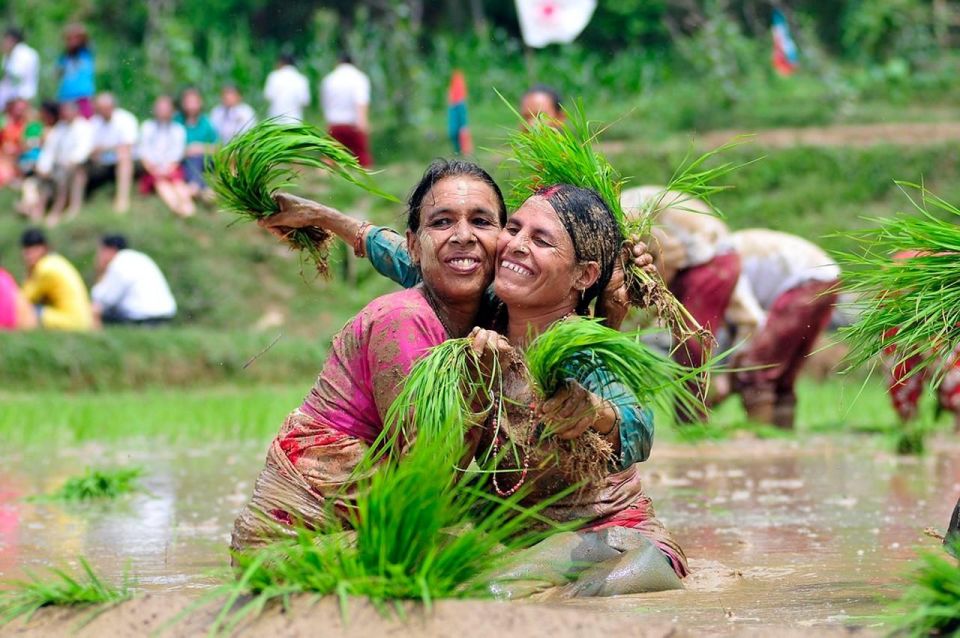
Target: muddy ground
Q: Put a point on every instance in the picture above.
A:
(808, 534)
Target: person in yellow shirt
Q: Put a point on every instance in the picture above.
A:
(54, 286)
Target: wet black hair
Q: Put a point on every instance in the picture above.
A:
(441, 169)
(593, 230)
(33, 237)
(15, 33)
(553, 94)
(114, 241)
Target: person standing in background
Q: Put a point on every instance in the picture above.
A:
(130, 287)
(76, 70)
(232, 116)
(542, 100)
(345, 95)
(115, 133)
(287, 91)
(21, 69)
(202, 141)
(54, 286)
(163, 143)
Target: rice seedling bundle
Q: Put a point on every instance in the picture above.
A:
(544, 155)
(247, 171)
(97, 484)
(911, 305)
(931, 605)
(413, 535)
(654, 379)
(22, 598)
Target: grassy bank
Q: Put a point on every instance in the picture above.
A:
(238, 288)
(127, 358)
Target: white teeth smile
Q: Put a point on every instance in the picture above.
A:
(463, 263)
(517, 268)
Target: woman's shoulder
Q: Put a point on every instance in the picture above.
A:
(404, 304)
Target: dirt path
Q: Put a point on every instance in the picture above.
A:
(858, 135)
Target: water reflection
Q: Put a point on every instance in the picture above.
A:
(778, 532)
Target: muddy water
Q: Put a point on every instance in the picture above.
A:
(809, 533)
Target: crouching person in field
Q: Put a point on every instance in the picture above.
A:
(130, 289)
(785, 297)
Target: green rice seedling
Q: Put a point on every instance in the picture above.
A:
(253, 166)
(654, 379)
(413, 536)
(98, 484)
(931, 605)
(22, 598)
(442, 395)
(544, 155)
(909, 306)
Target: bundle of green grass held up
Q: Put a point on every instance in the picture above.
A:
(906, 279)
(544, 155)
(251, 168)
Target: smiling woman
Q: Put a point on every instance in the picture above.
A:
(455, 215)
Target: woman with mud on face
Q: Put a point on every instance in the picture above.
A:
(554, 256)
(454, 218)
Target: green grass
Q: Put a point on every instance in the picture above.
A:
(196, 414)
(129, 358)
(22, 598)
(931, 605)
(97, 484)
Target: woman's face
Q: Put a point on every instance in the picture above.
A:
(536, 263)
(456, 243)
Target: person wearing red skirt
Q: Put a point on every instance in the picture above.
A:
(790, 285)
(345, 95)
(700, 272)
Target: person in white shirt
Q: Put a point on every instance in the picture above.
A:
(287, 91)
(163, 144)
(345, 95)
(59, 177)
(786, 294)
(21, 68)
(130, 287)
(115, 132)
(232, 116)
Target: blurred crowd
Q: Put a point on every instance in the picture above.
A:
(57, 152)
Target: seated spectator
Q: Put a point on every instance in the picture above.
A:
(54, 286)
(12, 139)
(232, 116)
(33, 137)
(15, 312)
(202, 141)
(163, 143)
(76, 70)
(130, 287)
(59, 176)
(114, 138)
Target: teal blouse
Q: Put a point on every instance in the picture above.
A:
(387, 251)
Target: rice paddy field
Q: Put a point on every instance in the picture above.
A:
(811, 532)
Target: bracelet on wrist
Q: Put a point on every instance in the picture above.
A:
(359, 249)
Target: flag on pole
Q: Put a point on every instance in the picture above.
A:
(784, 49)
(457, 127)
(544, 22)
